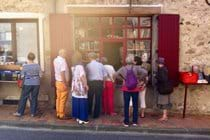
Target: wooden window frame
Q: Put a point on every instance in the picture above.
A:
(13, 30)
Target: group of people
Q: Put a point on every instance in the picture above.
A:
(92, 86)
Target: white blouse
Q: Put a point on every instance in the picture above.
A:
(78, 89)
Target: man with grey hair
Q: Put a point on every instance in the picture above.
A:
(62, 82)
(95, 75)
(131, 74)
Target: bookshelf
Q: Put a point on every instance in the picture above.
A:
(133, 32)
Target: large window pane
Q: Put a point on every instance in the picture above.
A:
(26, 36)
(6, 54)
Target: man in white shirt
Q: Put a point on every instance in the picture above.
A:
(62, 81)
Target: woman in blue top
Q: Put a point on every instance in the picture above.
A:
(31, 73)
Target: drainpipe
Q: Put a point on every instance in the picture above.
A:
(130, 6)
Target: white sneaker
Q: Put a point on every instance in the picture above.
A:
(134, 124)
(77, 120)
(83, 122)
(17, 114)
(125, 125)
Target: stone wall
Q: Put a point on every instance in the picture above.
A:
(33, 6)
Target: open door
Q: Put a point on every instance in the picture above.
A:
(168, 43)
(61, 34)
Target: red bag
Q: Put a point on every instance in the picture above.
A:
(20, 83)
(188, 77)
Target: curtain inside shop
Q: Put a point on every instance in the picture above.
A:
(168, 43)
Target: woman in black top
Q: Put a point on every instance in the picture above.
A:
(163, 84)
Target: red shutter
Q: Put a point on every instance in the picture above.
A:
(168, 43)
(60, 37)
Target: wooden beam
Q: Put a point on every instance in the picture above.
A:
(111, 11)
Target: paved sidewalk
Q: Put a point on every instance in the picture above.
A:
(46, 119)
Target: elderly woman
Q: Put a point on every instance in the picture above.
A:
(108, 93)
(79, 90)
(31, 74)
(132, 76)
(163, 85)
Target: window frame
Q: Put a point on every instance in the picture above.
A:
(13, 31)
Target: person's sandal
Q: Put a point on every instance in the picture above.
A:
(163, 119)
(142, 116)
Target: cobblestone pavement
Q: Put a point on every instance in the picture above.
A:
(47, 116)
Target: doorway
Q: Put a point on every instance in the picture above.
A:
(113, 54)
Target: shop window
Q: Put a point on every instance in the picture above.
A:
(17, 39)
(6, 50)
(107, 35)
(27, 41)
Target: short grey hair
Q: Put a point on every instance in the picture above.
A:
(104, 60)
(129, 59)
(92, 55)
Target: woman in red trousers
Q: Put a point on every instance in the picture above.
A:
(108, 94)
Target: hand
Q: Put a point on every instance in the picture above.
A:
(65, 87)
(86, 88)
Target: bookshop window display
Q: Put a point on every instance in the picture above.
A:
(18, 37)
(113, 37)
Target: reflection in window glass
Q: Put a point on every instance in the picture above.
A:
(26, 36)
(106, 21)
(107, 33)
(119, 33)
(80, 21)
(6, 54)
(119, 20)
(143, 45)
(132, 33)
(145, 21)
(145, 33)
(132, 21)
(92, 21)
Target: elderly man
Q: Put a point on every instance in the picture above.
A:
(95, 74)
(62, 82)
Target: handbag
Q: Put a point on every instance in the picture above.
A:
(20, 83)
(188, 77)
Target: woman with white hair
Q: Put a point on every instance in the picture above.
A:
(132, 77)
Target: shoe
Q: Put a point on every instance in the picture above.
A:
(17, 114)
(113, 114)
(135, 124)
(32, 115)
(83, 122)
(77, 120)
(163, 119)
(125, 125)
(142, 116)
(64, 118)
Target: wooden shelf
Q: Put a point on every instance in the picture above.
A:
(10, 67)
(3, 81)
